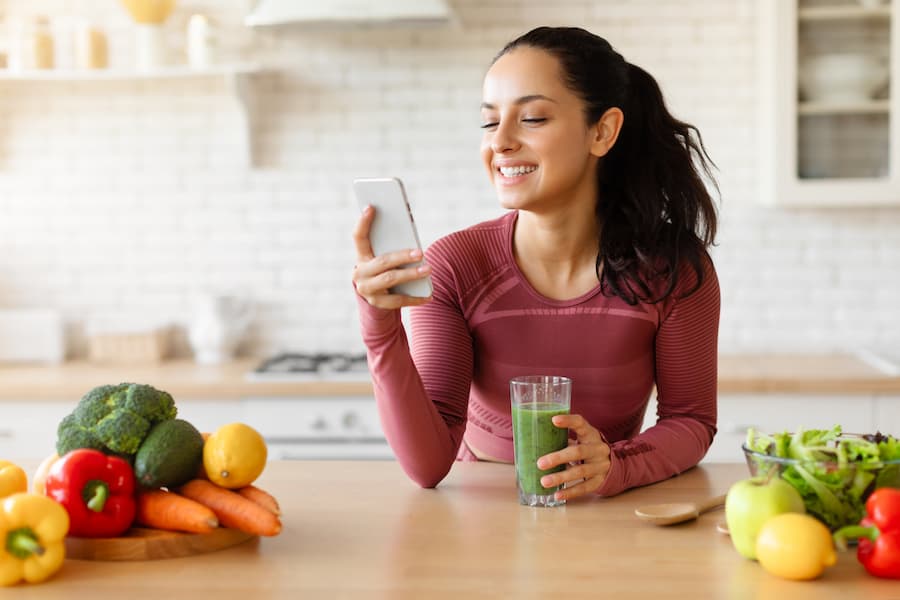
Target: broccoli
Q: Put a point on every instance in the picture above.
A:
(114, 418)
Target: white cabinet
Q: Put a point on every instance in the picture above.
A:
(829, 130)
(28, 429)
(782, 412)
(887, 415)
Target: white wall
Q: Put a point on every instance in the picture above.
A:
(118, 199)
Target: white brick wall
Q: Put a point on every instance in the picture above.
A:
(118, 199)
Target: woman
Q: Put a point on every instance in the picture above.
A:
(598, 272)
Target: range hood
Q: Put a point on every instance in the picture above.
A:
(287, 12)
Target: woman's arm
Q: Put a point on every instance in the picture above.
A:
(422, 395)
(686, 381)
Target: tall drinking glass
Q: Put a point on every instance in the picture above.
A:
(536, 399)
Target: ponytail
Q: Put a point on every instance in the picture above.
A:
(655, 212)
(653, 208)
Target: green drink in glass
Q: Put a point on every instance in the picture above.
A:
(536, 399)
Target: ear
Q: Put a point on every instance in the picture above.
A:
(606, 131)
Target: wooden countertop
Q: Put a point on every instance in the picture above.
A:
(186, 380)
(363, 530)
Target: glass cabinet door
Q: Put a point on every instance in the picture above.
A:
(843, 90)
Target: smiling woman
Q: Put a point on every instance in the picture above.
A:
(598, 272)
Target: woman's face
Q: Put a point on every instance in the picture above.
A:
(538, 149)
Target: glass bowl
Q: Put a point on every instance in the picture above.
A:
(833, 490)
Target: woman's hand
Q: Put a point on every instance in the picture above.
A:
(587, 456)
(374, 275)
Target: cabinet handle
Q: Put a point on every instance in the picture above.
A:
(7, 434)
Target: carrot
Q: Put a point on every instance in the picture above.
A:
(232, 509)
(261, 497)
(166, 510)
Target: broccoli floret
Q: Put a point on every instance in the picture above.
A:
(116, 418)
(70, 435)
(152, 404)
(122, 430)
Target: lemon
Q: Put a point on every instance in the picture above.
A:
(234, 455)
(795, 546)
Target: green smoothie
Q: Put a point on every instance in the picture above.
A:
(535, 435)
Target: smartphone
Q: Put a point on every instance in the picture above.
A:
(393, 227)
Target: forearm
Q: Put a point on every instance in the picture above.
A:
(423, 442)
(668, 448)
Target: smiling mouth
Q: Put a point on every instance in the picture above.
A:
(517, 171)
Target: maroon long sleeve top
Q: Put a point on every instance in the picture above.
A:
(486, 324)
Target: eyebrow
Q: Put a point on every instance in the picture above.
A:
(522, 100)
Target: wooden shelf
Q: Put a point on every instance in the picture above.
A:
(862, 107)
(238, 76)
(839, 13)
(173, 72)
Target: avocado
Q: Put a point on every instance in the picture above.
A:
(170, 455)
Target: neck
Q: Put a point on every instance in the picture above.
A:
(557, 251)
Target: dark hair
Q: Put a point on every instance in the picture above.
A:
(654, 211)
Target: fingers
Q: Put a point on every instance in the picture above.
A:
(585, 431)
(587, 460)
(361, 235)
(373, 278)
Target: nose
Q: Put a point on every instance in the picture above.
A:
(504, 139)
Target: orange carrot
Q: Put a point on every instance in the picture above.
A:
(166, 510)
(232, 509)
(261, 497)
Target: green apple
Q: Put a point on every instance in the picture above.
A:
(751, 502)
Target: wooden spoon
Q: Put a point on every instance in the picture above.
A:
(677, 512)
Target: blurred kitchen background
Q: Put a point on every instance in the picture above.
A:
(224, 167)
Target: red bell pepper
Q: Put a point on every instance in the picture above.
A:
(97, 490)
(878, 534)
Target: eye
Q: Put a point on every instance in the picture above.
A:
(534, 120)
(491, 125)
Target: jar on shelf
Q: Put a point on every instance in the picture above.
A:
(40, 47)
(201, 42)
(91, 48)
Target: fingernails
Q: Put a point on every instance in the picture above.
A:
(415, 253)
(547, 481)
(542, 464)
(424, 269)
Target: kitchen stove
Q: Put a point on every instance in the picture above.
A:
(301, 366)
(309, 427)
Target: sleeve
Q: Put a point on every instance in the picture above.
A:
(421, 394)
(686, 387)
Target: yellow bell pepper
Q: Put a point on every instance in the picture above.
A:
(32, 538)
(12, 479)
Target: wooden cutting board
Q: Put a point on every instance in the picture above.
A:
(153, 544)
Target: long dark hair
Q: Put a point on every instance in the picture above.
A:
(654, 210)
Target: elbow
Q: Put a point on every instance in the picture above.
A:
(425, 476)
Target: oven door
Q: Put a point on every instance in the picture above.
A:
(319, 428)
(300, 448)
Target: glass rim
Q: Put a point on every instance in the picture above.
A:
(543, 379)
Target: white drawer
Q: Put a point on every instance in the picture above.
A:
(209, 415)
(28, 429)
(887, 415)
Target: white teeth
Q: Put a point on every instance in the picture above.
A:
(514, 171)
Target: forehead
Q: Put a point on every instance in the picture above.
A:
(522, 72)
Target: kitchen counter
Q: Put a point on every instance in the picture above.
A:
(363, 530)
(186, 380)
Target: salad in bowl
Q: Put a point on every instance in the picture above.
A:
(833, 471)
